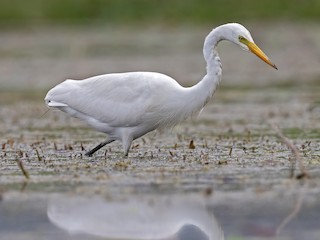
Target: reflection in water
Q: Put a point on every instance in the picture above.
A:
(135, 218)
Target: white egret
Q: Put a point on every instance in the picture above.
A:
(128, 105)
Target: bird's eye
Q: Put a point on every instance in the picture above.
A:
(241, 38)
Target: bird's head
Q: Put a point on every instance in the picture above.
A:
(239, 35)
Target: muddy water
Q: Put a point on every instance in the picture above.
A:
(238, 177)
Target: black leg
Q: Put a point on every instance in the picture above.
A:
(92, 151)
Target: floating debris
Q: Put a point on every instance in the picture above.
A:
(171, 153)
(68, 147)
(223, 162)
(244, 149)
(191, 145)
(10, 142)
(20, 153)
(135, 146)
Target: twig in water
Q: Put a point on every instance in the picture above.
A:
(294, 151)
(294, 212)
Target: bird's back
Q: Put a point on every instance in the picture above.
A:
(118, 100)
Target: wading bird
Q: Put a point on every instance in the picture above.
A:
(128, 105)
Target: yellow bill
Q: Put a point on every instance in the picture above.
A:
(257, 51)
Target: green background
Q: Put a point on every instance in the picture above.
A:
(37, 12)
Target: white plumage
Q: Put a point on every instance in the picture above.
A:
(126, 106)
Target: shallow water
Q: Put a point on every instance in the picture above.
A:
(220, 215)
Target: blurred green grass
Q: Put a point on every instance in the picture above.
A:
(21, 13)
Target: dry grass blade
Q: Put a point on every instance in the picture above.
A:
(230, 152)
(294, 151)
(23, 170)
(38, 155)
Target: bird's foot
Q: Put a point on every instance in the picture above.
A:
(88, 154)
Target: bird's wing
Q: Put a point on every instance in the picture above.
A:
(123, 99)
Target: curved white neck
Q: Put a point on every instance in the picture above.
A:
(192, 99)
(210, 53)
(201, 93)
